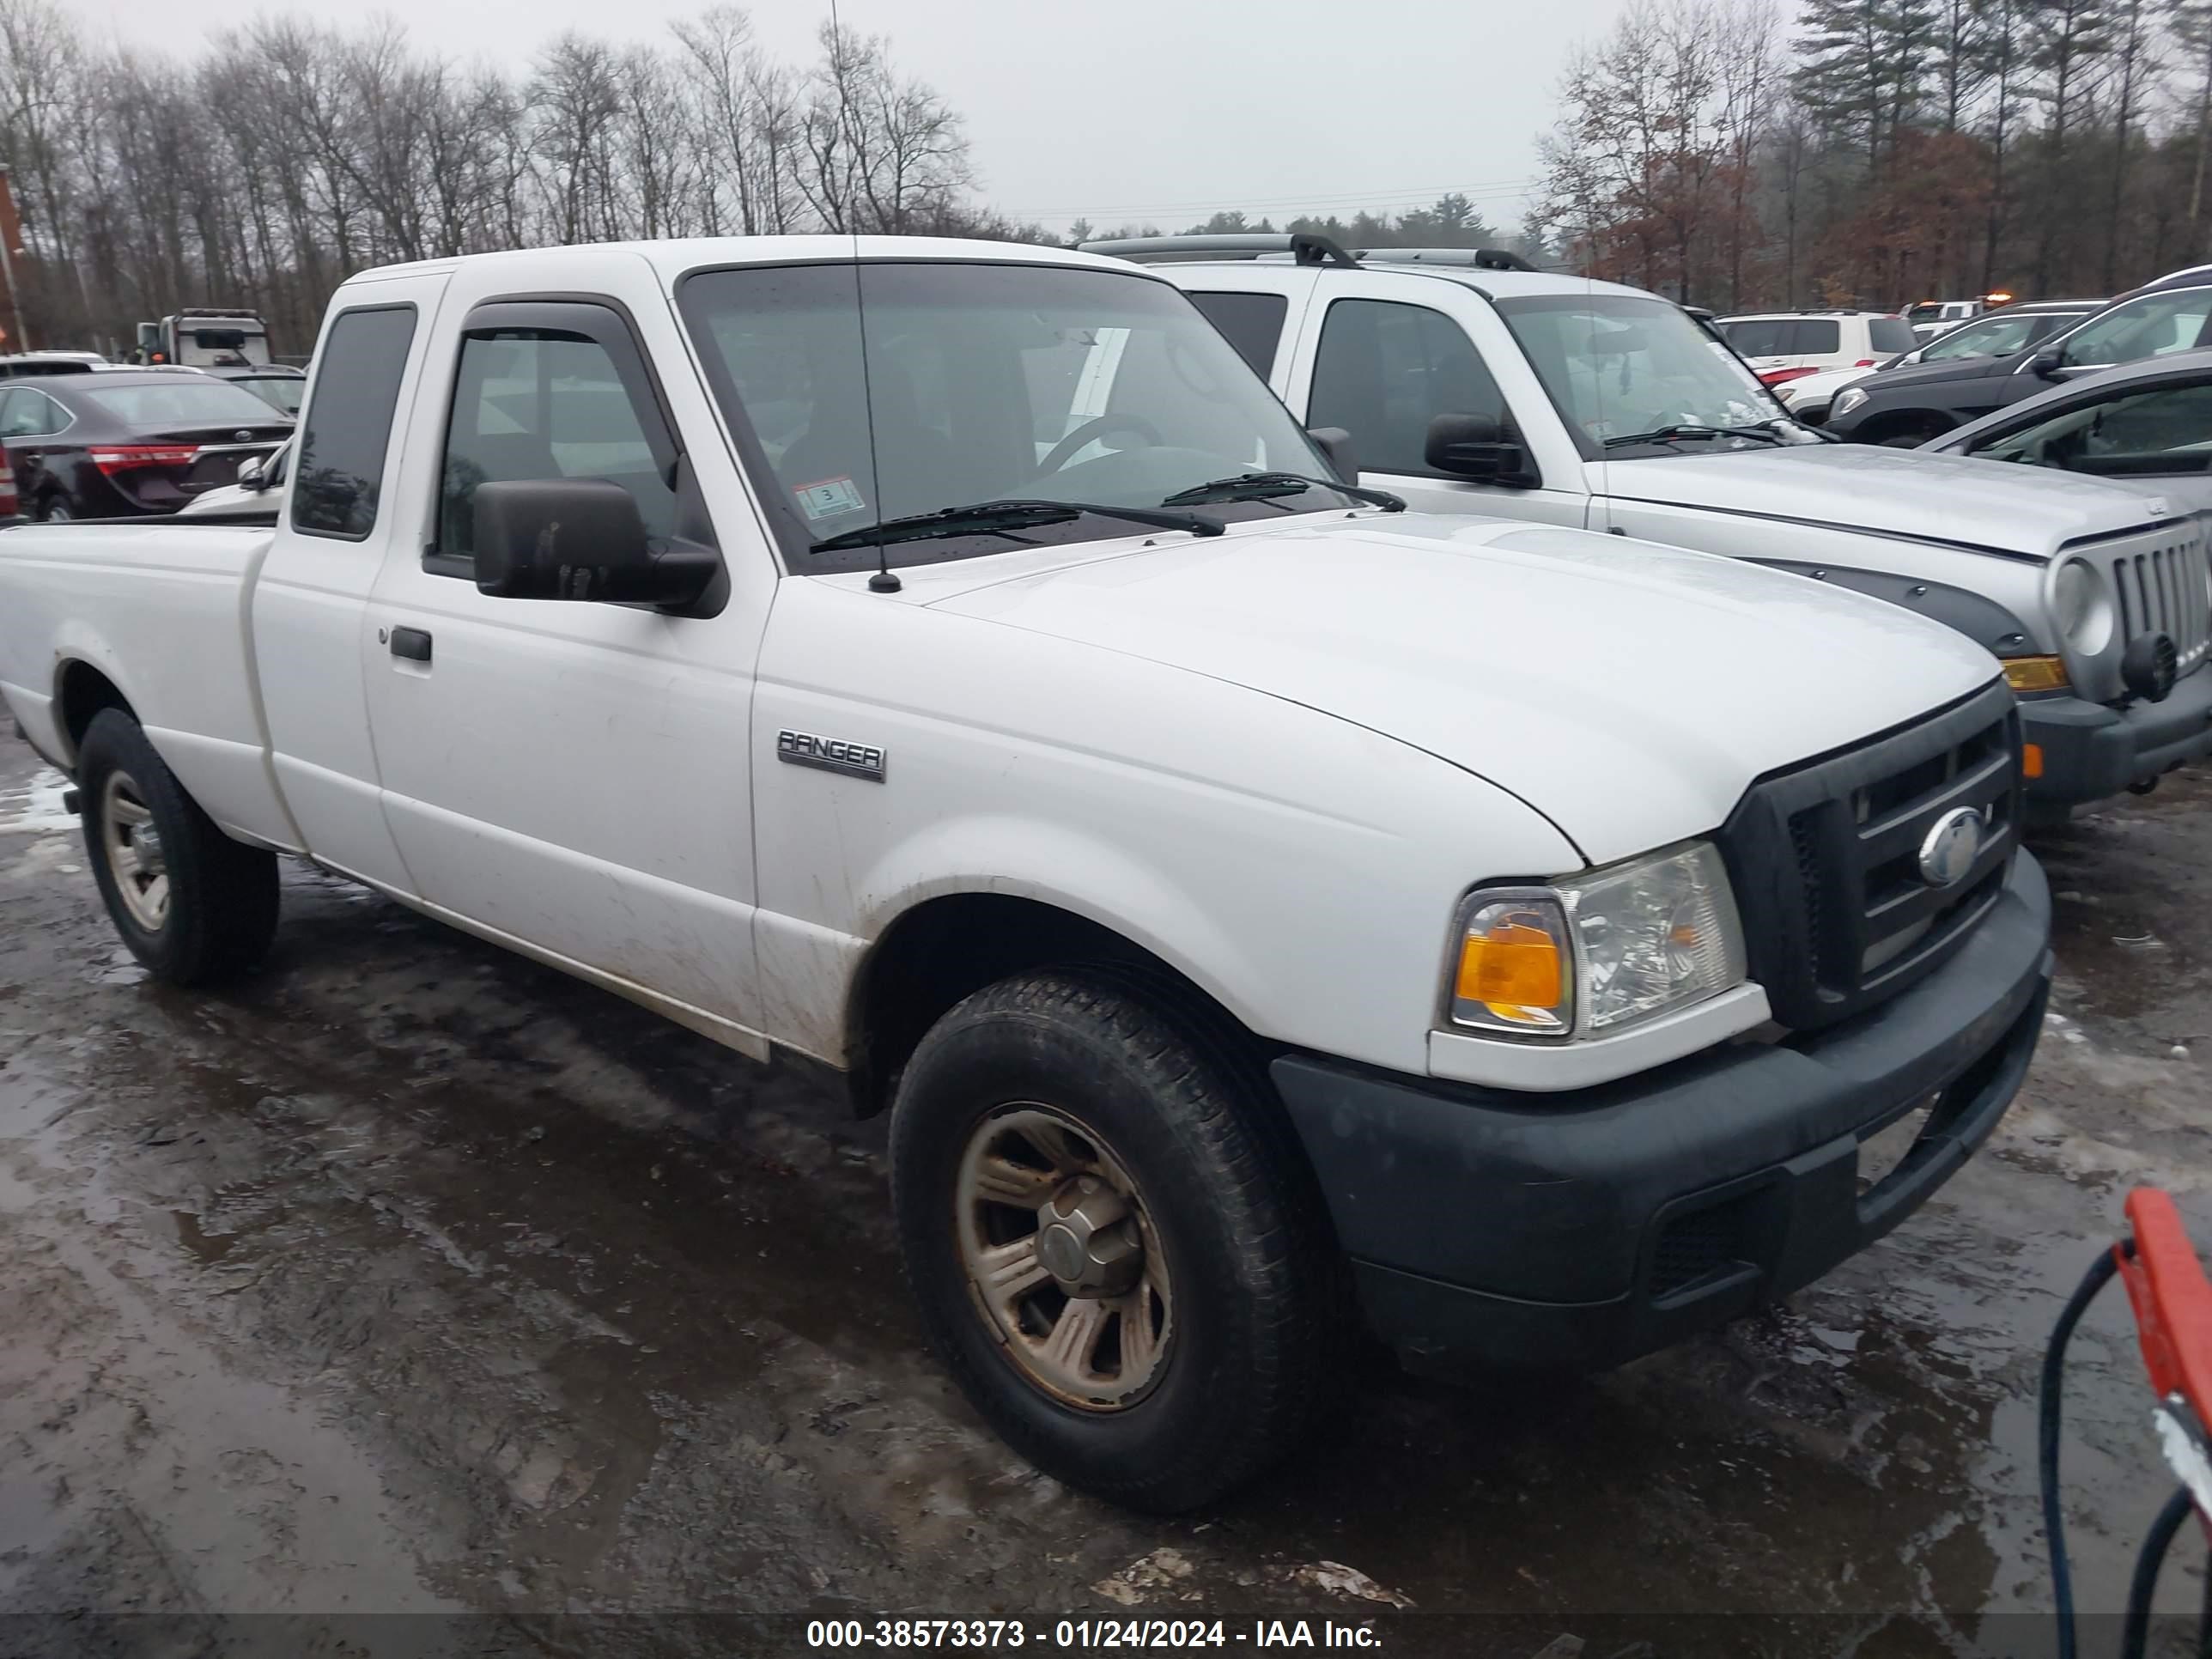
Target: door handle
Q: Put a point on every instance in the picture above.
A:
(412, 643)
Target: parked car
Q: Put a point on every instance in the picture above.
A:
(18, 363)
(948, 660)
(1569, 402)
(1782, 345)
(251, 498)
(1933, 316)
(1910, 406)
(1998, 334)
(124, 444)
(2135, 626)
(2148, 424)
(276, 384)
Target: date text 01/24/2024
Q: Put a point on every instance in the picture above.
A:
(1087, 1633)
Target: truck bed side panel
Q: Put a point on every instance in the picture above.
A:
(160, 610)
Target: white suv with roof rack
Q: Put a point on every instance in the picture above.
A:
(1782, 344)
(1466, 382)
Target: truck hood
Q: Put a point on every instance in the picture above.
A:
(2024, 511)
(1627, 691)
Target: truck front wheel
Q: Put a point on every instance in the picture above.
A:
(1116, 1249)
(192, 904)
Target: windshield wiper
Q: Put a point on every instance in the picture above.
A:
(998, 517)
(1261, 486)
(1691, 429)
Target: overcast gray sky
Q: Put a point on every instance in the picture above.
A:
(1121, 110)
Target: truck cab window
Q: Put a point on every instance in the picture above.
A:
(534, 404)
(1253, 323)
(1385, 370)
(348, 426)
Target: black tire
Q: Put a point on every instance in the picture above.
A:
(221, 903)
(1257, 1281)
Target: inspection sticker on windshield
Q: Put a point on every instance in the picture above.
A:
(829, 497)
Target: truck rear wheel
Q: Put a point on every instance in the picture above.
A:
(1116, 1249)
(192, 904)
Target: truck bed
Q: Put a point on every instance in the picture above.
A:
(159, 607)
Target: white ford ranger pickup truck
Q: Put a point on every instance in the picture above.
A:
(1561, 400)
(1259, 907)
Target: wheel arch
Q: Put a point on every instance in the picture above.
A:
(82, 690)
(947, 946)
(1897, 423)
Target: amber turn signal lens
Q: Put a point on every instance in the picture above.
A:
(2035, 673)
(2031, 760)
(1511, 966)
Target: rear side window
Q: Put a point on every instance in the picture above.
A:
(541, 404)
(1890, 334)
(1253, 323)
(1759, 336)
(28, 413)
(1385, 370)
(348, 428)
(1816, 336)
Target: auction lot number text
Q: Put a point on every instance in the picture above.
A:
(1084, 1633)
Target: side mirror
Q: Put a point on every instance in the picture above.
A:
(1335, 442)
(1475, 447)
(2046, 365)
(580, 539)
(253, 475)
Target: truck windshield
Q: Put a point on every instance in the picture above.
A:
(1617, 364)
(981, 383)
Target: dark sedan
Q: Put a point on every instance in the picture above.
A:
(1910, 406)
(129, 442)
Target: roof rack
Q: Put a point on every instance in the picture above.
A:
(1304, 247)
(1481, 258)
(217, 311)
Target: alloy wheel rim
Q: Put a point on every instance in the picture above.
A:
(136, 857)
(1061, 1257)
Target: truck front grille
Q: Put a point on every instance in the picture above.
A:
(2158, 588)
(1824, 859)
(2161, 590)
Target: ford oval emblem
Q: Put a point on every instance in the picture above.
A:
(245, 436)
(1952, 843)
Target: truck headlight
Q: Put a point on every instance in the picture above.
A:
(2081, 606)
(1592, 954)
(1847, 400)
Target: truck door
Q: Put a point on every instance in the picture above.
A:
(311, 599)
(572, 777)
(1384, 354)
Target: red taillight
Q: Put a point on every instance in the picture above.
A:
(121, 458)
(1864, 362)
(10, 505)
(1776, 376)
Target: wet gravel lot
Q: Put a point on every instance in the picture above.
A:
(411, 1278)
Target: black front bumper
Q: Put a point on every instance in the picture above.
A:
(2091, 753)
(1488, 1228)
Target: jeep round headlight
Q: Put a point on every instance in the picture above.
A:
(1596, 953)
(1847, 400)
(2081, 606)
